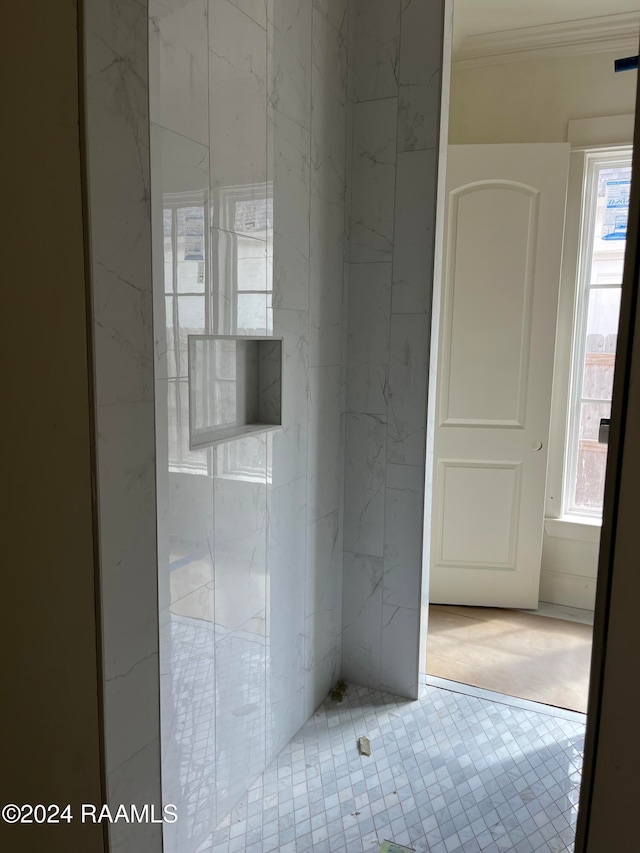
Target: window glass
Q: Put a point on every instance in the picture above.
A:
(605, 212)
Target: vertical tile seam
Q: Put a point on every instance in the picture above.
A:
(308, 676)
(267, 621)
(388, 383)
(212, 544)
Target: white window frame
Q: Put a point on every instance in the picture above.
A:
(594, 163)
(572, 313)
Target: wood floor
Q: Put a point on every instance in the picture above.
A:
(519, 654)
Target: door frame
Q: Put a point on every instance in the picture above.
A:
(606, 805)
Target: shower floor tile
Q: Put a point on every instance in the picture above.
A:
(449, 773)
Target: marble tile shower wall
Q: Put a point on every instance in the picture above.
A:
(117, 150)
(395, 82)
(249, 114)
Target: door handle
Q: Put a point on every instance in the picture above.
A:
(603, 432)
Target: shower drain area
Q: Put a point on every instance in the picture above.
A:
(448, 773)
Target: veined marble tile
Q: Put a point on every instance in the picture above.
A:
(324, 606)
(127, 511)
(328, 111)
(117, 130)
(368, 340)
(373, 180)
(287, 447)
(291, 175)
(404, 504)
(123, 337)
(375, 49)
(415, 206)
(130, 702)
(325, 470)
(118, 138)
(179, 67)
(326, 284)
(399, 655)
(180, 208)
(127, 785)
(364, 484)
(188, 730)
(335, 11)
(240, 718)
(419, 75)
(289, 59)
(239, 507)
(408, 380)
(238, 120)
(255, 9)
(286, 568)
(362, 618)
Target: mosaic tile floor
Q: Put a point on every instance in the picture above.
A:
(449, 773)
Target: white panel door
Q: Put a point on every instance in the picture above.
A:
(503, 246)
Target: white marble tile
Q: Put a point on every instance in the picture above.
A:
(362, 619)
(324, 606)
(240, 717)
(415, 206)
(255, 9)
(287, 447)
(122, 338)
(368, 337)
(290, 171)
(419, 75)
(118, 140)
(178, 66)
(408, 378)
(373, 180)
(188, 731)
(364, 484)
(326, 284)
(180, 204)
(289, 59)
(328, 111)
(375, 50)
(336, 13)
(117, 134)
(239, 506)
(325, 470)
(162, 496)
(286, 568)
(125, 788)
(404, 502)
(399, 655)
(127, 515)
(130, 702)
(238, 120)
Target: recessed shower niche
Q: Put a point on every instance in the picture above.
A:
(235, 387)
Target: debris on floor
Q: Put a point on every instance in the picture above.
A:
(337, 694)
(391, 847)
(364, 745)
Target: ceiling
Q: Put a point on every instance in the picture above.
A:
(472, 17)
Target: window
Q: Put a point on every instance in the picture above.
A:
(605, 206)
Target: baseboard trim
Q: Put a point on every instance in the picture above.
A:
(568, 590)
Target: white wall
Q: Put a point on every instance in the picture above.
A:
(533, 101)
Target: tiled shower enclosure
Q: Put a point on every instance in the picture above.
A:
(293, 168)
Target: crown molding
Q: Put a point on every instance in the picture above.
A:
(610, 33)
